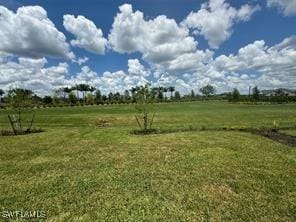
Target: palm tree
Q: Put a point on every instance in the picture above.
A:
(91, 89)
(160, 93)
(67, 90)
(134, 92)
(171, 89)
(76, 88)
(83, 88)
(110, 97)
(60, 92)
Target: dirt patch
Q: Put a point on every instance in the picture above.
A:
(279, 137)
(102, 123)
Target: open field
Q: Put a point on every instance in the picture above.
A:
(78, 171)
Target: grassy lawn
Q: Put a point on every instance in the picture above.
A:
(289, 132)
(78, 172)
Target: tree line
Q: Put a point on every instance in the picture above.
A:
(84, 94)
(255, 96)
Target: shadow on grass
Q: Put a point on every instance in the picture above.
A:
(17, 133)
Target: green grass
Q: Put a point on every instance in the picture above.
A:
(77, 172)
(289, 132)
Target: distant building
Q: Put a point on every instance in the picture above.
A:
(279, 92)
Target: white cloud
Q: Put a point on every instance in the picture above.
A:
(166, 45)
(163, 43)
(117, 81)
(258, 64)
(287, 7)
(215, 20)
(32, 74)
(159, 40)
(23, 33)
(189, 61)
(88, 36)
(80, 61)
(255, 64)
(136, 68)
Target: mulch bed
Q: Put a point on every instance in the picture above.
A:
(278, 137)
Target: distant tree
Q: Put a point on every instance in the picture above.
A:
(83, 88)
(98, 96)
(60, 93)
(104, 98)
(36, 100)
(256, 93)
(126, 95)
(121, 99)
(77, 89)
(192, 94)
(72, 98)
(154, 92)
(66, 91)
(165, 90)
(207, 90)
(177, 95)
(110, 97)
(171, 90)
(279, 92)
(250, 87)
(90, 99)
(117, 97)
(1, 94)
(133, 91)
(91, 89)
(235, 95)
(47, 100)
(160, 95)
(56, 99)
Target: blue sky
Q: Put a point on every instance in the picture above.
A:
(268, 22)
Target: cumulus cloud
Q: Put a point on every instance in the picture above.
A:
(32, 74)
(88, 36)
(164, 44)
(259, 64)
(268, 67)
(216, 18)
(23, 33)
(117, 81)
(159, 40)
(287, 7)
(136, 68)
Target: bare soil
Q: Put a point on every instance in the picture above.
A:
(278, 137)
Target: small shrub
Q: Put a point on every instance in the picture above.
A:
(275, 126)
(145, 98)
(203, 128)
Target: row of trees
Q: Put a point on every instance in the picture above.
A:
(83, 94)
(257, 96)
